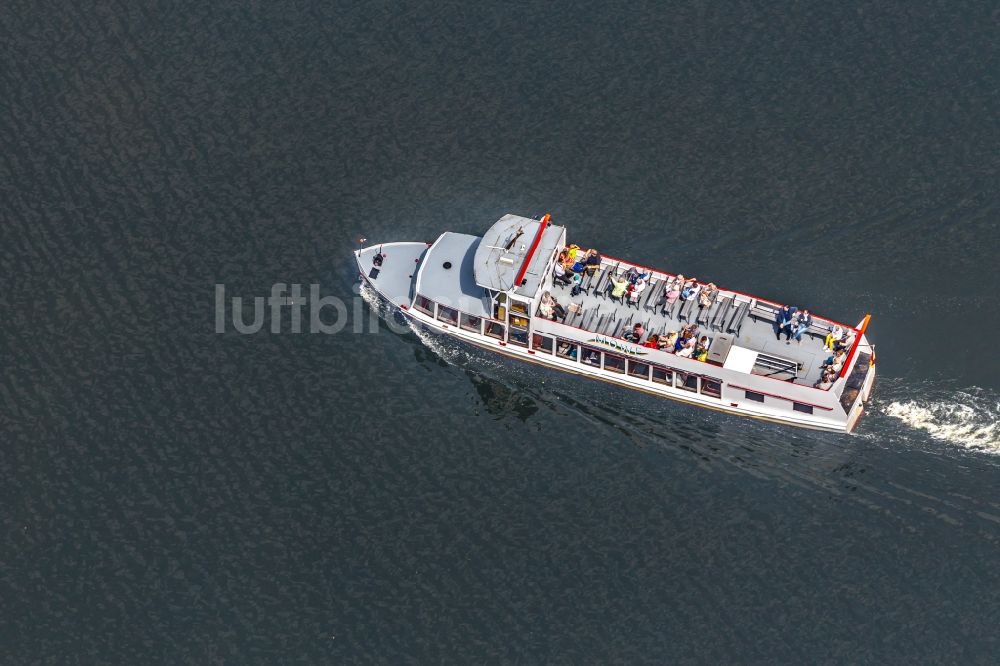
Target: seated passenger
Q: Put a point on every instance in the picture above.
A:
(836, 362)
(668, 342)
(845, 342)
(593, 261)
(690, 330)
(690, 290)
(549, 307)
(701, 350)
(635, 335)
(672, 290)
(617, 287)
(635, 290)
(559, 274)
(685, 341)
(686, 351)
(565, 349)
(653, 342)
(545, 304)
(833, 337)
(707, 295)
(826, 381)
(783, 321)
(802, 323)
(572, 251)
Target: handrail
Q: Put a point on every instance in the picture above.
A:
(854, 348)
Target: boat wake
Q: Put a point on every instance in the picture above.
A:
(968, 418)
(441, 346)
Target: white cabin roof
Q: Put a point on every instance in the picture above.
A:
(446, 274)
(510, 244)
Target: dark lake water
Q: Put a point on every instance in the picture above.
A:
(175, 495)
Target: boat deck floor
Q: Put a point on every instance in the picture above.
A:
(600, 313)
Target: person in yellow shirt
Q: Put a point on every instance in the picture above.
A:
(617, 286)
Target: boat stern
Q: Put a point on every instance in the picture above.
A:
(860, 382)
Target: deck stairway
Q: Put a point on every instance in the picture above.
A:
(775, 366)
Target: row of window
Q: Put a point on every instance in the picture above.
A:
(593, 356)
(598, 358)
(452, 317)
(797, 406)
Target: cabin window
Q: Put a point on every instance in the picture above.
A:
(711, 387)
(543, 343)
(518, 331)
(495, 329)
(500, 306)
(662, 375)
(687, 382)
(799, 407)
(518, 337)
(566, 349)
(448, 315)
(470, 323)
(592, 356)
(756, 397)
(519, 307)
(637, 369)
(614, 363)
(424, 304)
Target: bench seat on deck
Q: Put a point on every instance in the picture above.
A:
(590, 278)
(704, 313)
(737, 320)
(612, 325)
(605, 279)
(761, 311)
(686, 309)
(721, 313)
(647, 295)
(574, 318)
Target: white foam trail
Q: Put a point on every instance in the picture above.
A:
(443, 346)
(969, 419)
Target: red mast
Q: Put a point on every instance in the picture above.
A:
(531, 251)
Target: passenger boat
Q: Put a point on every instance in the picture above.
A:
(486, 291)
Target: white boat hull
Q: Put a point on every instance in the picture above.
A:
(550, 361)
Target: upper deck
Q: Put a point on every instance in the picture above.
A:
(740, 328)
